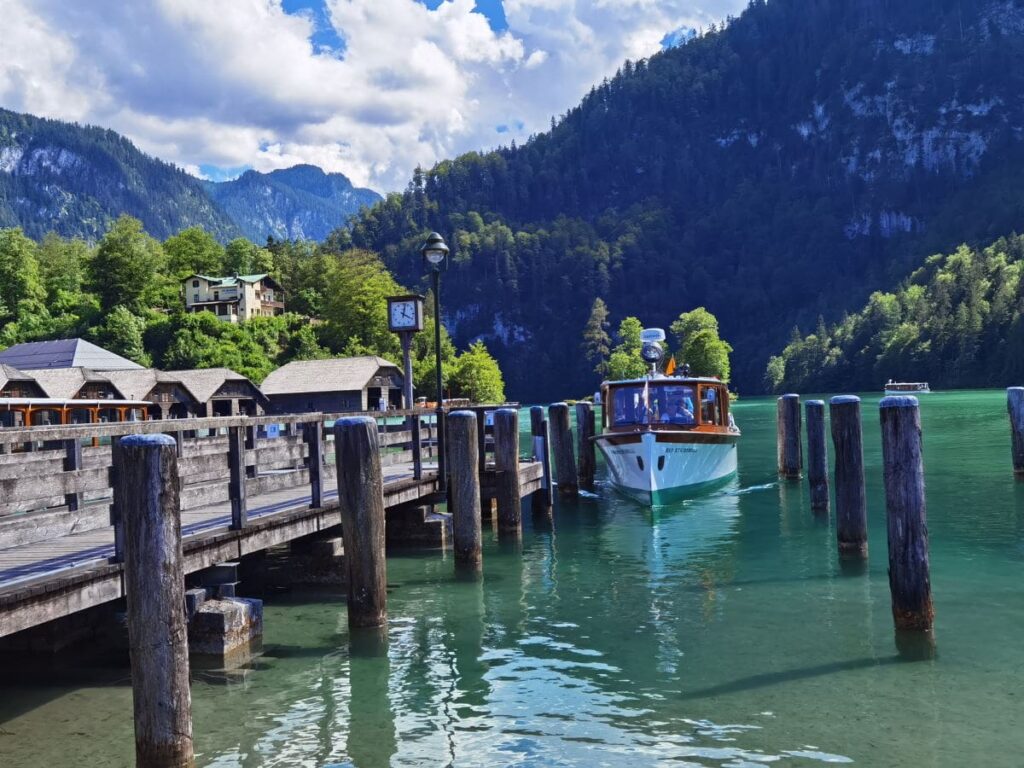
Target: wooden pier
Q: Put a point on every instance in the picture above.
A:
(246, 484)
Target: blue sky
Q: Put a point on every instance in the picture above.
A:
(369, 88)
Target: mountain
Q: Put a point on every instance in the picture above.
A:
(776, 169)
(76, 180)
(301, 202)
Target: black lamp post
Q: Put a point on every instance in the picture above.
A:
(435, 257)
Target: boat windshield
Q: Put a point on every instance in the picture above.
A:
(653, 404)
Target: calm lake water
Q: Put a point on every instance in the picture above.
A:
(719, 632)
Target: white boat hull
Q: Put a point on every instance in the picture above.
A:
(657, 467)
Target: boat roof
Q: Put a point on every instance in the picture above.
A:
(662, 379)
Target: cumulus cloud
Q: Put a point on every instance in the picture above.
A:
(232, 83)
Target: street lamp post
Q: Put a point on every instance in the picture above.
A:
(435, 256)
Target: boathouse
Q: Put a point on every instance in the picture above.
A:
(220, 392)
(335, 386)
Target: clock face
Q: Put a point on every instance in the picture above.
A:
(403, 315)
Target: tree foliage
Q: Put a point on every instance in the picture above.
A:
(477, 376)
(596, 341)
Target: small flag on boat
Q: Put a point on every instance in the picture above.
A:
(670, 367)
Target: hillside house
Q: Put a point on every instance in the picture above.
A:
(235, 298)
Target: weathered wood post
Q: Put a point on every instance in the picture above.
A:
(851, 498)
(817, 455)
(1015, 407)
(361, 499)
(790, 449)
(72, 462)
(561, 445)
(313, 435)
(464, 489)
(585, 429)
(541, 500)
(146, 494)
(506, 465)
(909, 577)
(236, 477)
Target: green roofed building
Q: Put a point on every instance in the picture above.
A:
(235, 298)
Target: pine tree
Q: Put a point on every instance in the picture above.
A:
(596, 341)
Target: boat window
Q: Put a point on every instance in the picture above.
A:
(654, 404)
(711, 407)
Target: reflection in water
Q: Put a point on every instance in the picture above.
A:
(371, 727)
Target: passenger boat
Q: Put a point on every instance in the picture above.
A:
(666, 437)
(906, 387)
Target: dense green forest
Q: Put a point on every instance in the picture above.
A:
(957, 321)
(770, 170)
(124, 294)
(75, 180)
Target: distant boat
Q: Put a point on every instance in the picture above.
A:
(906, 387)
(666, 437)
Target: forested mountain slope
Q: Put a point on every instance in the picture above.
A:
(77, 180)
(958, 321)
(298, 203)
(774, 170)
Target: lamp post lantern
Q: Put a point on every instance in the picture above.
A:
(435, 257)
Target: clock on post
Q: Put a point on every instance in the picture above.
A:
(405, 314)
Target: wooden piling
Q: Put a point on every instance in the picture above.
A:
(313, 436)
(790, 449)
(851, 498)
(561, 445)
(361, 500)
(506, 465)
(146, 493)
(464, 488)
(585, 428)
(909, 577)
(1015, 407)
(236, 477)
(541, 500)
(72, 462)
(817, 455)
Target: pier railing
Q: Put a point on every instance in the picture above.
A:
(58, 480)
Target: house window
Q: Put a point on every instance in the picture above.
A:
(222, 309)
(195, 283)
(195, 297)
(216, 295)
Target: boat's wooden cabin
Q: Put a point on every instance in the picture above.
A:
(665, 402)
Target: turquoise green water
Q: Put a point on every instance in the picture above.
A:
(719, 632)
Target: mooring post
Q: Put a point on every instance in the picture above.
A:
(561, 444)
(541, 499)
(72, 462)
(236, 477)
(817, 455)
(506, 465)
(116, 514)
(585, 428)
(851, 498)
(361, 499)
(790, 449)
(146, 493)
(909, 577)
(1015, 407)
(464, 489)
(313, 435)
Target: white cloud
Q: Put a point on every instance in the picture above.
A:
(238, 82)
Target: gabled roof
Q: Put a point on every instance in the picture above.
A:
(201, 383)
(341, 374)
(232, 280)
(135, 385)
(64, 353)
(65, 383)
(9, 373)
